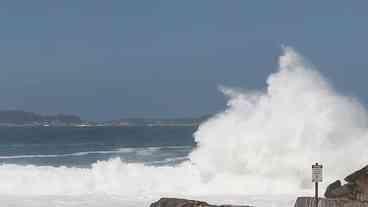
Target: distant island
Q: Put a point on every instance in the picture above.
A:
(23, 118)
(158, 121)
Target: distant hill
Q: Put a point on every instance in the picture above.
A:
(159, 121)
(22, 118)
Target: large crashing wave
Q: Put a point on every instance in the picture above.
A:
(264, 142)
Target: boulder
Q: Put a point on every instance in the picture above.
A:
(336, 190)
(177, 202)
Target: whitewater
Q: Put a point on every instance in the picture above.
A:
(258, 151)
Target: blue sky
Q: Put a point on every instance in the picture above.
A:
(110, 59)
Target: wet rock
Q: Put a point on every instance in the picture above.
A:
(336, 190)
(360, 179)
(330, 190)
(357, 175)
(177, 202)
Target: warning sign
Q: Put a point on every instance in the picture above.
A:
(316, 173)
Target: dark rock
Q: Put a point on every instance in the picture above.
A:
(335, 190)
(331, 188)
(323, 202)
(177, 202)
(355, 189)
(356, 175)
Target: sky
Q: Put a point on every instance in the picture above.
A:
(110, 59)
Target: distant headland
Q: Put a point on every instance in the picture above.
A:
(18, 118)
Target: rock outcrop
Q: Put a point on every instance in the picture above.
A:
(176, 202)
(325, 202)
(355, 189)
(354, 193)
(338, 191)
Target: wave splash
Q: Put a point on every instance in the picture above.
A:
(264, 142)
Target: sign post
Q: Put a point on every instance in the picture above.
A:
(316, 178)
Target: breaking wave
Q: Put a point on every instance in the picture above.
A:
(264, 142)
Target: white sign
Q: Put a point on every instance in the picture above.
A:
(316, 173)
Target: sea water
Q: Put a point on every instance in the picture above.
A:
(258, 150)
(83, 146)
(27, 150)
(57, 149)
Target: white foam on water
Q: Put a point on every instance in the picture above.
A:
(138, 150)
(263, 143)
(98, 200)
(169, 161)
(58, 155)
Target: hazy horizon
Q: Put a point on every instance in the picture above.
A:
(113, 119)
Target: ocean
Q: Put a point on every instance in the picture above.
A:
(47, 166)
(257, 151)
(83, 146)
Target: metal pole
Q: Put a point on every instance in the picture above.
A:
(316, 196)
(316, 177)
(316, 189)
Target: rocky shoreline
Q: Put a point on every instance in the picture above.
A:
(327, 202)
(354, 193)
(355, 189)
